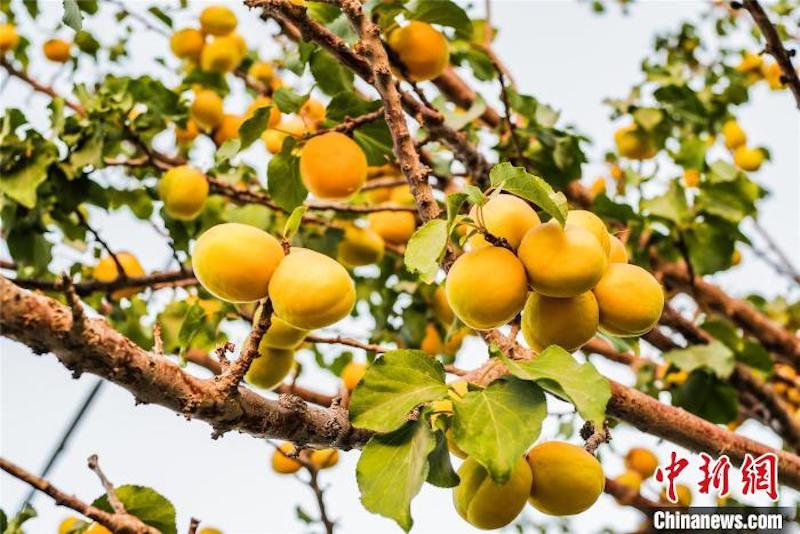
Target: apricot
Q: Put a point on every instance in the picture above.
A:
(750, 63)
(630, 300)
(310, 290)
(395, 227)
(734, 135)
(402, 195)
(360, 246)
(736, 257)
(441, 307)
(598, 187)
(634, 143)
(217, 20)
(261, 102)
(453, 343)
(333, 166)
(187, 43)
(106, 271)
(313, 110)
(566, 322)
(562, 262)
(9, 38)
(222, 54)
(184, 191)
(282, 461)
(641, 461)
(206, 110)
(566, 479)
(188, 134)
(282, 335)
(772, 74)
(630, 479)
(432, 341)
(274, 137)
(485, 504)
(617, 251)
(324, 458)
(691, 178)
(592, 223)
(682, 492)
(352, 374)
(228, 128)
(486, 287)
(67, 524)
(748, 159)
(504, 216)
(209, 530)
(56, 50)
(422, 49)
(96, 528)
(261, 72)
(235, 262)
(269, 369)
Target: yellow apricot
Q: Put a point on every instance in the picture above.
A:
(504, 216)
(324, 458)
(617, 251)
(282, 335)
(282, 461)
(274, 137)
(566, 479)
(562, 262)
(313, 110)
(56, 50)
(616, 172)
(441, 307)
(67, 524)
(598, 186)
(641, 461)
(262, 72)
(772, 74)
(352, 374)
(736, 257)
(593, 224)
(630, 479)
(188, 134)
(310, 290)
(453, 343)
(485, 504)
(734, 135)
(235, 262)
(630, 300)
(269, 369)
(217, 20)
(402, 195)
(748, 159)
(486, 287)
(360, 246)
(96, 528)
(9, 38)
(333, 166)
(676, 378)
(228, 128)
(262, 102)
(207, 110)
(682, 492)
(187, 43)
(422, 49)
(209, 530)
(395, 227)
(750, 62)
(184, 191)
(691, 177)
(432, 341)
(566, 322)
(634, 143)
(222, 54)
(238, 41)
(106, 271)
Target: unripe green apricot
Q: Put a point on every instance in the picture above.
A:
(484, 503)
(269, 369)
(282, 335)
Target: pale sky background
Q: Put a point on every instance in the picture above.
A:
(558, 51)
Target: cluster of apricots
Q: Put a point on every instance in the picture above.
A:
(567, 281)
(56, 50)
(756, 69)
(641, 464)
(746, 158)
(286, 456)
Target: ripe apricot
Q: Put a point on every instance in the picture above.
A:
(504, 216)
(617, 251)
(486, 287)
(592, 223)
(453, 343)
(310, 290)
(207, 110)
(313, 110)
(750, 63)
(228, 128)
(282, 461)
(209, 530)
(736, 257)
(562, 262)
(566, 322)
(360, 246)
(566, 479)
(56, 50)
(188, 134)
(187, 43)
(106, 271)
(772, 74)
(486, 504)
(282, 335)
(274, 113)
(634, 143)
(222, 54)
(441, 307)
(682, 492)
(734, 135)
(642, 461)
(96, 528)
(67, 524)
(235, 262)
(630, 300)
(395, 227)
(184, 191)
(691, 178)
(333, 166)
(748, 159)
(324, 458)
(261, 72)
(217, 20)
(432, 341)
(269, 369)
(352, 374)
(422, 49)
(630, 479)
(9, 38)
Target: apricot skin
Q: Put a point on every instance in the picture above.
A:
(641, 461)
(630, 479)
(207, 109)
(630, 300)
(633, 143)
(486, 287)
(269, 369)
(333, 166)
(282, 463)
(748, 159)
(184, 191)
(324, 458)
(262, 102)
(566, 479)
(566, 322)
(617, 251)
(57, 50)
(222, 54)
(504, 216)
(282, 335)
(733, 134)
(394, 227)
(187, 43)
(352, 374)
(360, 246)
(235, 262)
(486, 504)
(228, 129)
(592, 223)
(422, 49)
(106, 271)
(217, 20)
(9, 38)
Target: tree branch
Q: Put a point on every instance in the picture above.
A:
(113, 500)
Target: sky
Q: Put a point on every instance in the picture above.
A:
(558, 51)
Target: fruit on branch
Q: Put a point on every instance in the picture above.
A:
(682, 492)
(283, 461)
(207, 109)
(440, 307)
(209, 530)
(228, 128)
(333, 166)
(617, 251)
(9, 38)
(324, 458)
(634, 143)
(750, 63)
(184, 191)
(269, 369)
(262, 72)
(360, 246)
(280, 334)
(748, 159)
(567, 322)
(313, 111)
(630, 300)
(503, 216)
(66, 526)
(422, 49)
(222, 54)
(186, 135)
(274, 137)
(395, 227)
(106, 271)
(734, 135)
(402, 195)
(261, 102)
(487, 287)
(591, 223)
(691, 178)
(311, 290)
(217, 20)
(486, 504)
(566, 479)
(96, 528)
(630, 479)
(352, 374)
(432, 341)
(235, 262)
(773, 75)
(562, 262)
(642, 461)
(56, 50)
(187, 43)
(736, 257)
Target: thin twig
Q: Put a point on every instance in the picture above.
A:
(788, 266)
(230, 378)
(340, 340)
(348, 124)
(113, 500)
(120, 268)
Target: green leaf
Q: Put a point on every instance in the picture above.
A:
(692, 154)
(349, 104)
(160, 15)
(671, 205)
(518, 181)
(288, 101)
(72, 15)
(252, 128)
(443, 12)
(192, 324)
(441, 473)
(227, 150)
(395, 384)
(293, 222)
(145, 503)
(496, 425)
(424, 249)
(710, 244)
(3, 521)
(705, 395)
(375, 140)
(331, 76)
(454, 203)
(756, 356)
(714, 356)
(20, 183)
(648, 118)
(15, 525)
(392, 469)
(283, 179)
(458, 119)
(557, 371)
(722, 171)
